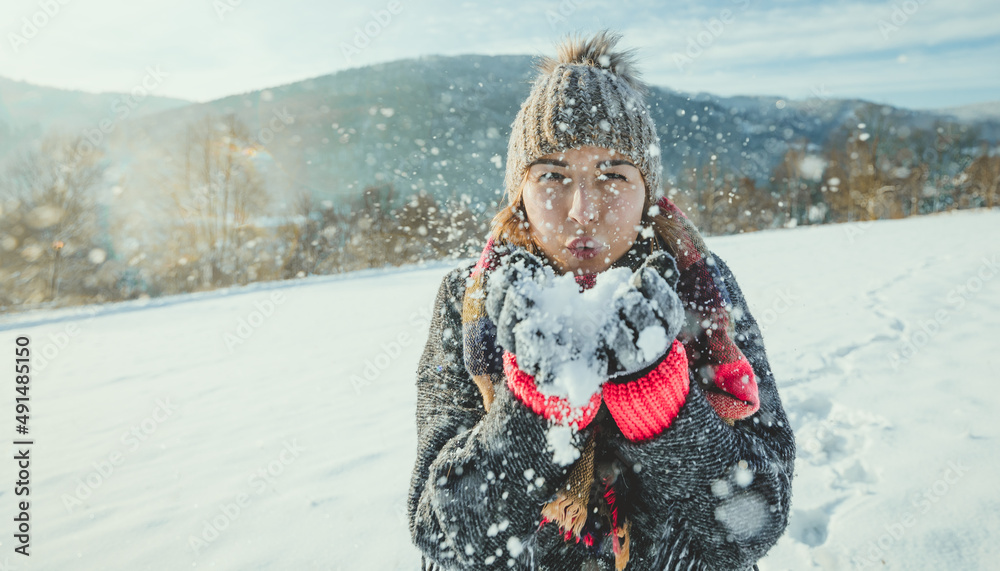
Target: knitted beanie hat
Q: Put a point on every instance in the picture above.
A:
(589, 95)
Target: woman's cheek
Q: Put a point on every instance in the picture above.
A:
(618, 210)
(614, 215)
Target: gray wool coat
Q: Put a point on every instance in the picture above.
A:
(701, 495)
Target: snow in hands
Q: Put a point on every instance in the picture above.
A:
(571, 340)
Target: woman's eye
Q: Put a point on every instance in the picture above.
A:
(611, 175)
(553, 176)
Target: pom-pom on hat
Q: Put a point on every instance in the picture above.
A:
(589, 94)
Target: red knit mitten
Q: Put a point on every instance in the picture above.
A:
(646, 406)
(737, 379)
(554, 408)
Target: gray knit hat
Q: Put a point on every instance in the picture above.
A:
(588, 95)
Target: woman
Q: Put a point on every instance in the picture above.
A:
(561, 430)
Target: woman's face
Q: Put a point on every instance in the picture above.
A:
(584, 207)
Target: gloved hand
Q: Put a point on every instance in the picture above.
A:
(509, 293)
(511, 298)
(643, 333)
(646, 319)
(540, 344)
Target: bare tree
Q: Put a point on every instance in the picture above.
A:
(49, 228)
(216, 189)
(982, 179)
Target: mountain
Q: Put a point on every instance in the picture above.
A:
(24, 104)
(975, 112)
(441, 124)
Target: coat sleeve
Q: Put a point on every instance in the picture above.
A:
(712, 496)
(480, 479)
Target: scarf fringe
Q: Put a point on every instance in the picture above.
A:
(569, 512)
(620, 544)
(569, 509)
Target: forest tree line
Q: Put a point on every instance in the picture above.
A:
(62, 244)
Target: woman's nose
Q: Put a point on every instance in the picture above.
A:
(584, 208)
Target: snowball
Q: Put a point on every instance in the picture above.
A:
(720, 488)
(812, 166)
(514, 546)
(744, 515)
(652, 342)
(32, 252)
(742, 476)
(44, 216)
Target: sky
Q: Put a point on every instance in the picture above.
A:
(920, 54)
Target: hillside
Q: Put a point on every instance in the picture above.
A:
(441, 124)
(24, 104)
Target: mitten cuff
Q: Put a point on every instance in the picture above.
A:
(646, 406)
(740, 398)
(554, 408)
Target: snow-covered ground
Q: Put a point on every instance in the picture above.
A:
(272, 427)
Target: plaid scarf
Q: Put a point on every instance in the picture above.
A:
(713, 357)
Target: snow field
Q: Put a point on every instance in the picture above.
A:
(218, 431)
